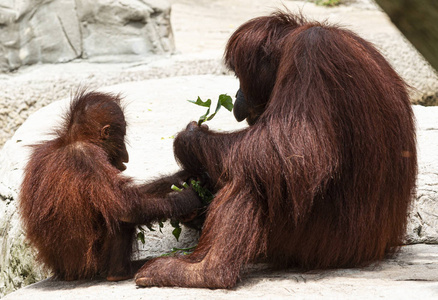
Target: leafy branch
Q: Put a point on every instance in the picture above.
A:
(224, 100)
(203, 193)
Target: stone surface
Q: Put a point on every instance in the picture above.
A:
(423, 226)
(412, 275)
(156, 110)
(56, 31)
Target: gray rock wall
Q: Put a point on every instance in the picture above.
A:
(56, 31)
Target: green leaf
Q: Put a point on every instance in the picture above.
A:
(226, 101)
(176, 232)
(201, 103)
(205, 194)
(140, 236)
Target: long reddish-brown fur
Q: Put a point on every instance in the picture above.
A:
(323, 176)
(78, 211)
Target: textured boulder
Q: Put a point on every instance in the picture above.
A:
(423, 225)
(55, 31)
(155, 113)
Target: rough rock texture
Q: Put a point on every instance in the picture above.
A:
(409, 63)
(55, 31)
(156, 111)
(59, 31)
(423, 226)
(411, 275)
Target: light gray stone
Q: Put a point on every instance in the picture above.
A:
(156, 110)
(413, 274)
(57, 31)
(423, 226)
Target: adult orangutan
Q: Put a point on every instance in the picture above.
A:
(324, 174)
(77, 208)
